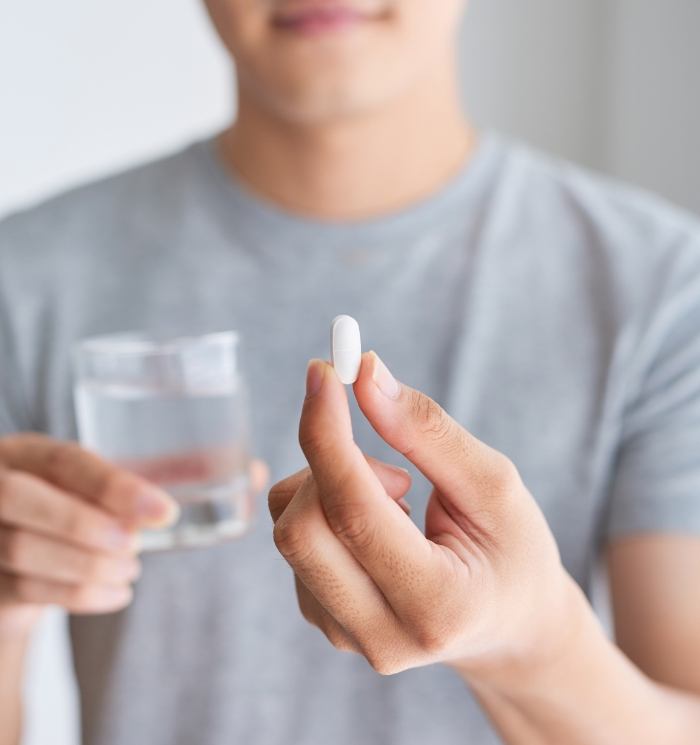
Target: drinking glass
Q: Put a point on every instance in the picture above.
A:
(175, 411)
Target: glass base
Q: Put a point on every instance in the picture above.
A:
(193, 536)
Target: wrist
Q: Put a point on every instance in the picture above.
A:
(580, 688)
(549, 648)
(18, 624)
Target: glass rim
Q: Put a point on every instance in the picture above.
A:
(147, 344)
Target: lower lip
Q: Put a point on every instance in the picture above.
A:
(313, 24)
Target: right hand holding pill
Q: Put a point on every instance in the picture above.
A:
(68, 522)
(482, 589)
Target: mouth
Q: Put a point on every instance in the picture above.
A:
(311, 19)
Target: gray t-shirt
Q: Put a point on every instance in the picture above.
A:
(553, 314)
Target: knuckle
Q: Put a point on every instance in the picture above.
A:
(80, 596)
(91, 568)
(274, 496)
(308, 614)
(291, 540)
(308, 438)
(280, 495)
(350, 523)
(275, 506)
(317, 616)
(62, 459)
(12, 443)
(339, 639)
(381, 662)
(506, 478)
(115, 485)
(432, 419)
(313, 439)
(122, 484)
(8, 483)
(22, 588)
(289, 484)
(431, 639)
(14, 549)
(74, 524)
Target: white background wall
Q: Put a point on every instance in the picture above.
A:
(87, 87)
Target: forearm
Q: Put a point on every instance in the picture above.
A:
(13, 652)
(589, 694)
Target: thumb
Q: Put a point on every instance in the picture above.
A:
(469, 473)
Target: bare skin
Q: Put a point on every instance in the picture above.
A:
(483, 591)
(350, 124)
(68, 537)
(347, 124)
(318, 174)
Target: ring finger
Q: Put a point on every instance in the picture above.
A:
(28, 553)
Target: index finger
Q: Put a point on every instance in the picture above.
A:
(382, 538)
(395, 481)
(132, 499)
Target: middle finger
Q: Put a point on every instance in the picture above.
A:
(328, 569)
(32, 554)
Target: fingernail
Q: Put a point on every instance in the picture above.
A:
(405, 505)
(118, 596)
(397, 469)
(135, 542)
(314, 376)
(117, 538)
(154, 504)
(129, 569)
(384, 380)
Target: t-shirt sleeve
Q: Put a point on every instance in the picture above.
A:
(655, 485)
(15, 415)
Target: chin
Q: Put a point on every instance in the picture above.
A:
(326, 108)
(318, 96)
(317, 107)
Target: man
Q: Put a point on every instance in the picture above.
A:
(553, 315)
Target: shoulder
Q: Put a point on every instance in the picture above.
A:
(609, 212)
(81, 219)
(619, 244)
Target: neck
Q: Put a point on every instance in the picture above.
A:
(362, 167)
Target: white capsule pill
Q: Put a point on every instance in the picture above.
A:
(346, 348)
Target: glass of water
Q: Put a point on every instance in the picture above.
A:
(174, 410)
